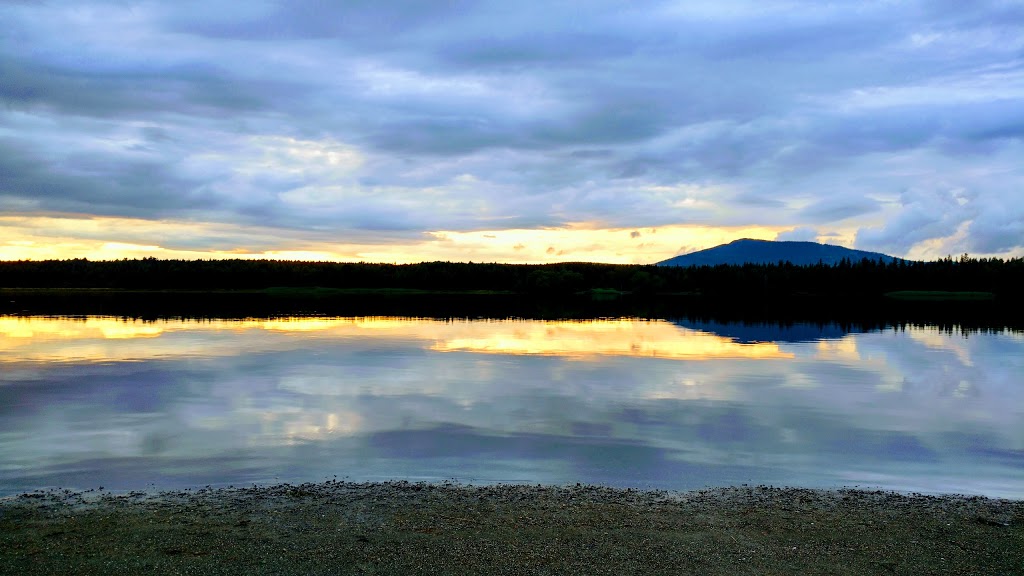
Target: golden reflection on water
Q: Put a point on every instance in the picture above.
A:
(936, 340)
(842, 349)
(105, 339)
(637, 338)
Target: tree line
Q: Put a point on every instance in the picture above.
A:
(866, 277)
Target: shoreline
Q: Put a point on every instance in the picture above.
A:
(419, 528)
(923, 307)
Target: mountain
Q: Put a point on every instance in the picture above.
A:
(769, 252)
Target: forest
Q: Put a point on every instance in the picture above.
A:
(1001, 279)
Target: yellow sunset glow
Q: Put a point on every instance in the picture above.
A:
(843, 349)
(89, 339)
(585, 242)
(102, 238)
(635, 338)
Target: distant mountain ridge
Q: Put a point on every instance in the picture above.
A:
(747, 251)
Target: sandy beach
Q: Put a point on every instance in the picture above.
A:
(406, 528)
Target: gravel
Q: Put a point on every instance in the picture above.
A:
(415, 528)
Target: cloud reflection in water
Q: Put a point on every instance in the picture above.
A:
(101, 401)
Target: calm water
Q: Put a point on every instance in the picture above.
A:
(89, 402)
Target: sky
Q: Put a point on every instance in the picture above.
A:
(496, 131)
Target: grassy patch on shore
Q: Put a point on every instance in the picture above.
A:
(939, 296)
(603, 294)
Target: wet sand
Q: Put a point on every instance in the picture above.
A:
(404, 528)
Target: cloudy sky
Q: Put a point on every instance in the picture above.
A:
(411, 130)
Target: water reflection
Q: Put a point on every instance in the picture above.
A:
(601, 338)
(750, 333)
(83, 339)
(102, 401)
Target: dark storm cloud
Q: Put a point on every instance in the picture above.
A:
(753, 199)
(834, 209)
(95, 184)
(465, 115)
(357, 20)
(198, 90)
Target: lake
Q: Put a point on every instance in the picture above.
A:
(129, 404)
